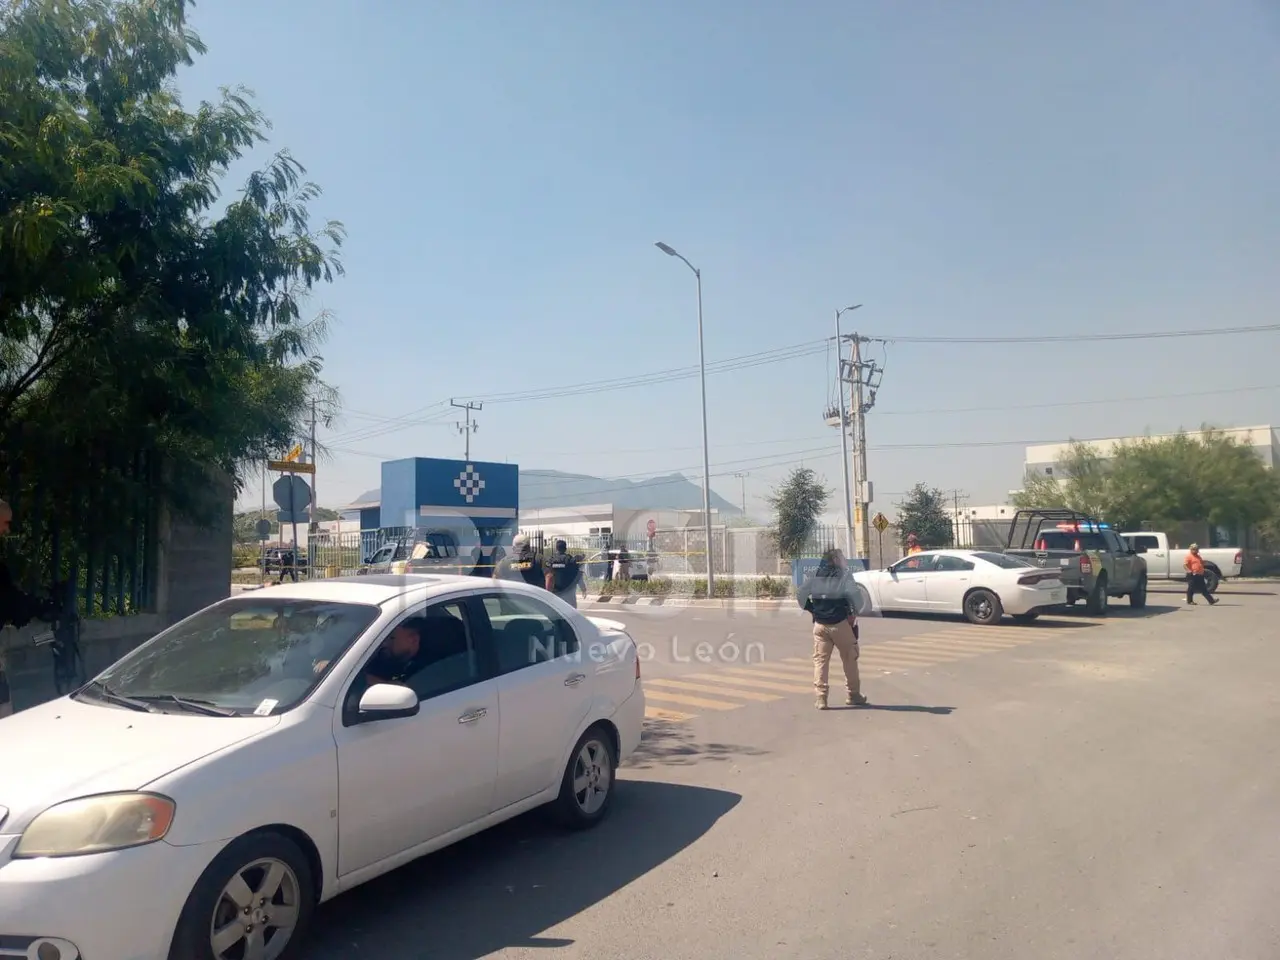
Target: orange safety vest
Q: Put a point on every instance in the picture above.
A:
(1194, 564)
(915, 549)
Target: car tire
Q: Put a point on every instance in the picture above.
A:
(861, 600)
(1138, 599)
(1212, 580)
(1098, 601)
(982, 607)
(253, 861)
(592, 765)
(1025, 617)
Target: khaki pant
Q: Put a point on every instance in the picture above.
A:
(838, 636)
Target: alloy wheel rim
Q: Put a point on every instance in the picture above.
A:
(592, 777)
(257, 912)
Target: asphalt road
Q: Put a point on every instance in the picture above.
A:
(1078, 788)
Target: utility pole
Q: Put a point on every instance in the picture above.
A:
(743, 478)
(843, 414)
(470, 426)
(315, 524)
(956, 497)
(864, 377)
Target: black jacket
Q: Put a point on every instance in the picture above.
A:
(16, 607)
(828, 595)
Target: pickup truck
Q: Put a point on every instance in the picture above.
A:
(1094, 562)
(1165, 562)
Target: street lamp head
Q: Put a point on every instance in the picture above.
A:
(854, 307)
(668, 250)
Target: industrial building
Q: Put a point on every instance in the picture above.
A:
(1043, 458)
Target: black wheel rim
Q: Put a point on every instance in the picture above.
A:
(980, 606)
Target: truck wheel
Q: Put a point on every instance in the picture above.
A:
(1138, 599)
(983, 608)
(1212, 579)
(1097, 603)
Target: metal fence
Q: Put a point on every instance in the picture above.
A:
(95, 546)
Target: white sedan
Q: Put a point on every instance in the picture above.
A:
(981, 585)
(200, 797)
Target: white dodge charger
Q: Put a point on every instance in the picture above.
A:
(977, 584)
(201, 796)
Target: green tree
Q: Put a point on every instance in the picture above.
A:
(1210, 478)
(924, 513)
(1079, 482)
(244, 526)
(797, 502)
(136, 311)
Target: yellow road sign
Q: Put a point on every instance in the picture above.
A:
(880, 522)
(288, 466)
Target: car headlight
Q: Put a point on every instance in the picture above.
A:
(111, 821)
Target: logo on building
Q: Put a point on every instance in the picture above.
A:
(469, 484)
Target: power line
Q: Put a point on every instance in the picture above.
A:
(904, 413)
(1081, 403)
(1096, 337)
(798, 351)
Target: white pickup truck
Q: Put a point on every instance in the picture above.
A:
(1165, 563)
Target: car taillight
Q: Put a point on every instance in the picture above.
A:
(1031, 578)
(1239, 558)
(1086, 566)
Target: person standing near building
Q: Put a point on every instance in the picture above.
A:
(913, 544)
(563, 574)
(1194, 565)
(828, 596)
(523, 564)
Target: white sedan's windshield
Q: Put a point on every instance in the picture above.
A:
(239, 656)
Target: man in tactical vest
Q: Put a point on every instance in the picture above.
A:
(522, 564)
(563, 574)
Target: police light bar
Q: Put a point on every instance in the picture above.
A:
(1083, 527)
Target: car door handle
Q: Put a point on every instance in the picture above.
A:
(471, 716)
(575, 679)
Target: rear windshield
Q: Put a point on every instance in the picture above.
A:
(1061, 540)
(1003, 560)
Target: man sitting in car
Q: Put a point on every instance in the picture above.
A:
(402, 655)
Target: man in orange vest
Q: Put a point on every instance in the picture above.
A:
(913, 544)
(1194, 565)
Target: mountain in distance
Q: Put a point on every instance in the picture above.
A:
(540, 489)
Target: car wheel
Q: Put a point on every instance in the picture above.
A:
(1025, 617)
(254, 900)
(1138, 599)
(861, 600)
(586, 790)
(1211, 580)
(983, 608)
(1098, 601)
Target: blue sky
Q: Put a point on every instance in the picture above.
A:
(993, 169)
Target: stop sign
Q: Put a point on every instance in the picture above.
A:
(652, 527)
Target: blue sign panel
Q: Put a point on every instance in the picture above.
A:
(479, 502)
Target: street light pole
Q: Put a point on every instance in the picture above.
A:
(706, 454)
(844, 435)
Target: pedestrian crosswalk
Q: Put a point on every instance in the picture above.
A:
(681, 698)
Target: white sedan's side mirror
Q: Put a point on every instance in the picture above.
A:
(387, 701)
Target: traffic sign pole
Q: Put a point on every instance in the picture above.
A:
(881, 523)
